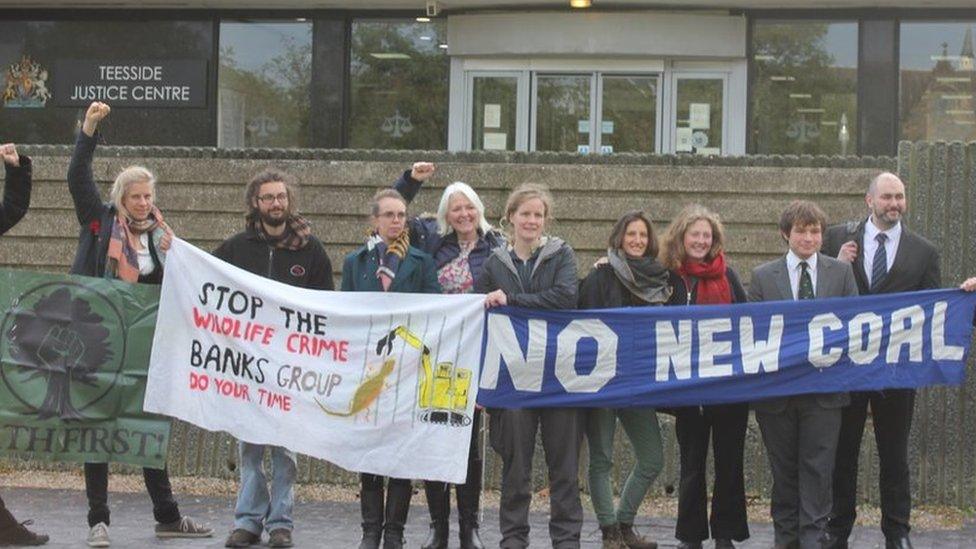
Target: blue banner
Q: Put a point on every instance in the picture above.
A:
(680, 356)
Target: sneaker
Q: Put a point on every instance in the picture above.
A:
(18, 534)
(186, 527)
(242, 538)
(98, 535)
(280, 537)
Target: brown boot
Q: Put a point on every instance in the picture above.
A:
(16, 533)
(611, 537)
(632, 540)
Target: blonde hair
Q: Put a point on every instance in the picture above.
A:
(522, 194)
(459, 187)
(673, 247)
(126, 178)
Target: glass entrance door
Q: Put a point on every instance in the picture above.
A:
(563, 108)
(698, 114)
(628, 114)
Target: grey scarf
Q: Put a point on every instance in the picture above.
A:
(645, 278)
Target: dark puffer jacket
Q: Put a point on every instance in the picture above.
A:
(425, 236)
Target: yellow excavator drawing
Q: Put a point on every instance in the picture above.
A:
(443, 395)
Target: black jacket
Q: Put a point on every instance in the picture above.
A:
(601, 289)
(553, 282)
(308, 267)
(94, 216)
(16, 193)
(916, 265)
(680, 296)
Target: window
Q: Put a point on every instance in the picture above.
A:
(263, 84)
(399, 72)
(804, 88)
(51, 70)
(937, 81)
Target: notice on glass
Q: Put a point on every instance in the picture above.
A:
(493, 115)
(709, 151)
(583, 126)
(495, 141)
(607, 127)
(698, 116)
(683, 140)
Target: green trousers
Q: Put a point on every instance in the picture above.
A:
(644, 433)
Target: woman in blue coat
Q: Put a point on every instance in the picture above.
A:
(387, 263)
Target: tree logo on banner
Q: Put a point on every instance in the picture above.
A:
(61, 350)
(443, 394)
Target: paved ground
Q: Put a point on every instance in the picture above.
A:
(61, 514)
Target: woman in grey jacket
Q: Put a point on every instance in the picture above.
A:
(534, 271)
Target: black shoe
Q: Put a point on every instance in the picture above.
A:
(898, 543)
(437, 538)
(371, 539)
(724, 544)
(691, 545)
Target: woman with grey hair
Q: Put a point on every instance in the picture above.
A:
(125, 239)
(459, 239)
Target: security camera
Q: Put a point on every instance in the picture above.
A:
(433, 8)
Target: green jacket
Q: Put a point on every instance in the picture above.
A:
(416, 274)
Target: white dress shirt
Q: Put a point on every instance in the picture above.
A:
(871, 246)
(794, 270)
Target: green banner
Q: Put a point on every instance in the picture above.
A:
(74, 352)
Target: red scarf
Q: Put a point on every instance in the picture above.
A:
(713, 285)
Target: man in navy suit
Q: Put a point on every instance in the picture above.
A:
(887, 257)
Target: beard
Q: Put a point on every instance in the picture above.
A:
(271, 221)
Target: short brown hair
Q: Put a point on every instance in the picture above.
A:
(673, 252)
(801, 213)
(269, 175)
(620, 229)
(374, 203)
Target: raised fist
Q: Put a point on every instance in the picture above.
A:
(96, 112)
(61, 350)
(10, 156)
(421, 171)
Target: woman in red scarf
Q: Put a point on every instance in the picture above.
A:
(693, 249)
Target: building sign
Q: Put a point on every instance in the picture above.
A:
(25, 85)
(157, 83)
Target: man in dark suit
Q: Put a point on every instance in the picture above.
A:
(16, 200)
(887, 257)
(800, 432)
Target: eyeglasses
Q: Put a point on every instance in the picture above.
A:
(270, 198)
(393, 215)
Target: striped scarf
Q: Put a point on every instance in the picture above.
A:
(296, 235)
(389, 256)
(122, 260)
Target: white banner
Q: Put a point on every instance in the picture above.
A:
(372, 382)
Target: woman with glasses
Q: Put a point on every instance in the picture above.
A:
(387, 263)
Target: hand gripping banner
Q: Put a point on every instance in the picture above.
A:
(372, 382)
(74, 352)
(680, 356)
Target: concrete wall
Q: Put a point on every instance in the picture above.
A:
(200, 193)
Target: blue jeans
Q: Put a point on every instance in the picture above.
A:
(256, 510)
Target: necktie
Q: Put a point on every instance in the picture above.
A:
(805, 290)
(879, 269)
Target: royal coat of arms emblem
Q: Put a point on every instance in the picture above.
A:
(26, 85)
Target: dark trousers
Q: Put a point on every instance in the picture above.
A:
(801, 442)
(157, 484)
(513, 434)
(468, 494)
(725, 426)
(891, 412)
